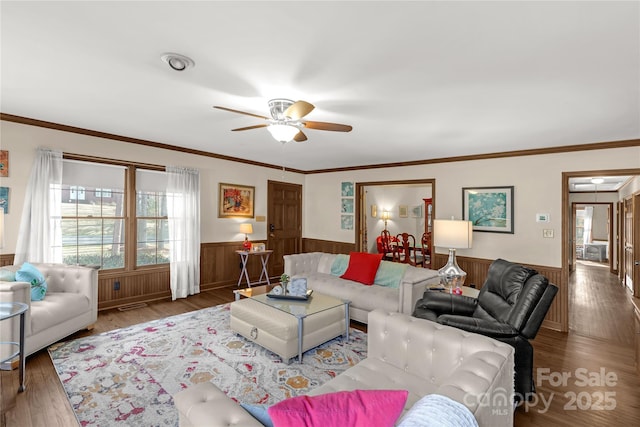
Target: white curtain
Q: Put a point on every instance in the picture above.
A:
(588, 224)
(183, 210)
(40, 235)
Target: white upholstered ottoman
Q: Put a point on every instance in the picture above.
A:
(277, 324)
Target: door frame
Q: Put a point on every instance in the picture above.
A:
(361, 212)
(566, 237)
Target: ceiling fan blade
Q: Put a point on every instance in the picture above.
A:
(240, 112)
(298, 110)
(327, 126)
(252, 127)
(300, 137)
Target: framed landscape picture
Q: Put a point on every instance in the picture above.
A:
(236, 201)
(488, 208)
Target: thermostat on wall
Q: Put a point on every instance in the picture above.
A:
(542, 217)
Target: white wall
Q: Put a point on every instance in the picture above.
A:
(537, 181)
(538, 189)
(22, 141)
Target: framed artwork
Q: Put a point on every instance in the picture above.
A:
(403, 211)
(347, 189)
(346, 222)
(416, 211)
(347, 206)
(4, 199)
(4, 163)
(374, 211)
(258, 247)
(488, 208)
(236, 201)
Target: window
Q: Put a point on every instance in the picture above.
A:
(105, 193)
(75, 193)
(579, 226)
(151, 218)
(95, 222)
(93, 226)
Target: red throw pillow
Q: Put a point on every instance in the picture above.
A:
(362, 267)
(358, 408)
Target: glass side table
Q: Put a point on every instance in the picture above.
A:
(7, 311)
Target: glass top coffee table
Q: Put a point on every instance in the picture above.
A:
(9, 310)
(315, 305)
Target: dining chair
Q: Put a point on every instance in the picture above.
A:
(385, 243)
(405, 251)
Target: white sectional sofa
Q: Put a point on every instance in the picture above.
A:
(317, 267)
(70, 304)
(404, 353)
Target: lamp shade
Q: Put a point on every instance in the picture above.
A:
(246, 228)
(452, 234)
(385, 215)
(283, 133)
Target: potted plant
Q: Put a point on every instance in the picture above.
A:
(284, 280)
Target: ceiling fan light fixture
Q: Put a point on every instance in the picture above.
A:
(178, 62)
(283, 133)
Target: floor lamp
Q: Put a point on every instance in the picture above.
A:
(452, 234)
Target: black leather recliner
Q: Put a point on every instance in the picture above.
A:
(510, 308)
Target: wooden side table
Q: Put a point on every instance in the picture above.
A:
(264, 259)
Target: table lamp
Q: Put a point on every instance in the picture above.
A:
(452, 234)
(246, 228)
(386, 216)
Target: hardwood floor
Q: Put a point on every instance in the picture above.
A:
(600, 338)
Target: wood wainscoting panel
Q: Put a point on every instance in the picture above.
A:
(220, 265)
(477, 269)
(327, 246)
(137, 286)
(6, 259)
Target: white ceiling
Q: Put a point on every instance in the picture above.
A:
(416, 80)
(586, 184)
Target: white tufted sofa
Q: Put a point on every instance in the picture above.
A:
(316, 268)
(405, 353)
(70, 304)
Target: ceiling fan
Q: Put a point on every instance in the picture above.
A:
(285, 123)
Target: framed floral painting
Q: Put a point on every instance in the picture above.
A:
(236, 201)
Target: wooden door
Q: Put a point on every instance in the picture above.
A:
(284, 223)
(572, 260)
(635, 220)
(627, 256)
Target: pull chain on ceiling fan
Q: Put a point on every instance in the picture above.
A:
(285, 123)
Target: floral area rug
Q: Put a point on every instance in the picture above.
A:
(128, 376)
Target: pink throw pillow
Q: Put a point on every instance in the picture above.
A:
(358, 408)
(362, 267)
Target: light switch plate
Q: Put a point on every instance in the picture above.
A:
(542, 217)
(547, 233)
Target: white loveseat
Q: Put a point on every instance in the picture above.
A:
(404, 353)
(70, 304)
(316, 267)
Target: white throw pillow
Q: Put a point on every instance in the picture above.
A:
(435, 410)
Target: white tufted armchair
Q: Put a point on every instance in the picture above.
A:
(71, 304)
